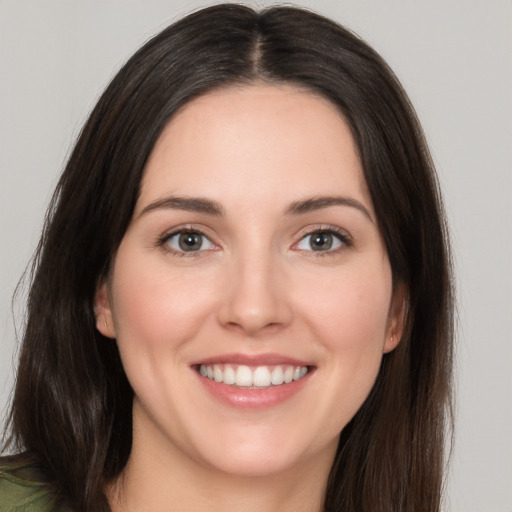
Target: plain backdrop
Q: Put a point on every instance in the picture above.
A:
(454, 58)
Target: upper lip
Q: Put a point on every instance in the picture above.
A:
(252, 360)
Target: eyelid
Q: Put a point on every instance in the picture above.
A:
(163, 240)
(343, 236)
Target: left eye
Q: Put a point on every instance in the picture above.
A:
(189, 241)
(320, 241)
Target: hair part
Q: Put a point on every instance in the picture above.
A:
(72, 403)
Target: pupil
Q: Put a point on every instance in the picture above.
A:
(321, 241)
(190, 241)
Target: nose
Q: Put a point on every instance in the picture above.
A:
(255, 300)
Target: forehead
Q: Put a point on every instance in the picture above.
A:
(276, 141)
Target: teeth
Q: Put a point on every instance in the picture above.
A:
(243, 376)
(261, 377)
(217, 373)
(229, 375)
(256, 377)
(277, 377)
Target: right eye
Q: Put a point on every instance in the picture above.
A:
(320, 241)
(188, 241)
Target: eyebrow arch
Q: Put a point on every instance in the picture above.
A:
(189, 204)
(317, 203)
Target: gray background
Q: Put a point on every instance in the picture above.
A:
(454, 59)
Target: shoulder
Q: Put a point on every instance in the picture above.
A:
(23, 488)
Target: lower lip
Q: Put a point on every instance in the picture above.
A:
(253, 399)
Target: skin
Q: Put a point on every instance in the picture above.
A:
(256, 286)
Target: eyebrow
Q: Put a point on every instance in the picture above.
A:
(210, 207)
(189, 204)
(317, 203)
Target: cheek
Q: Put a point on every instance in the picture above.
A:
(350, 324)
(156, 308)
(351, 312)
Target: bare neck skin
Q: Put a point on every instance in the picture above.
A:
(171, 480)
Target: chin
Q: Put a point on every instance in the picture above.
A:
(256, 464)
(255, 453)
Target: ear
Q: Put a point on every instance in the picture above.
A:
(397, 317)
(103, 311)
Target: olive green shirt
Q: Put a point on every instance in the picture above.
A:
(23, 490)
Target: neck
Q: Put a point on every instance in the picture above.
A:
(135, 491)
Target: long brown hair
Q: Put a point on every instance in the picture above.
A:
(72, 403)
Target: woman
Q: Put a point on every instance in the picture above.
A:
(242, 294)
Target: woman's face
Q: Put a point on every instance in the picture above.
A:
(251, 296)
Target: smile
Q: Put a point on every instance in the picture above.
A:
(253, 377)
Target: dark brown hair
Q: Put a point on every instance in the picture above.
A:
(72, 403)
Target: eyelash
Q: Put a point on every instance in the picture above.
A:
(163, 242)
(343, 238)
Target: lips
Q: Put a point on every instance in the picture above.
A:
(253, 381)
